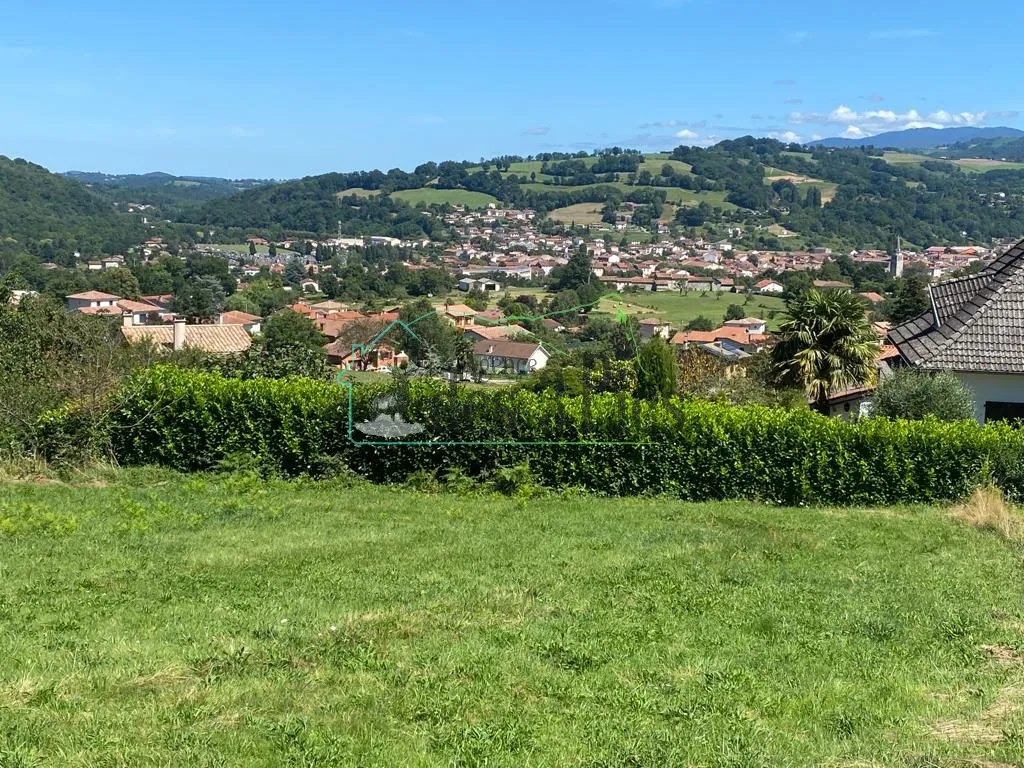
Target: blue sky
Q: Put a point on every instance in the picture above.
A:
(272, 89)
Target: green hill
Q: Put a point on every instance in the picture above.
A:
(36, 205)
(836, 197)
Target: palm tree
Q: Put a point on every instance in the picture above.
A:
(826, 345)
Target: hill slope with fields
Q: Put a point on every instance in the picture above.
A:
(835, 197)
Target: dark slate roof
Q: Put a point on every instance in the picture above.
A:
(976, 323)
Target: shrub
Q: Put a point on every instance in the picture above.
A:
(911, 394)
(606, 443)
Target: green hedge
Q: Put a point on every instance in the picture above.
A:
(689, 449)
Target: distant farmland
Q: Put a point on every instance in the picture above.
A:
(432, 196)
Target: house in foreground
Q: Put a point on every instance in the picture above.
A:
(514, 357)
(975, 330)
(215, 339)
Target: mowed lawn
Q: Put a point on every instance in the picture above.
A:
(680, 308)
(168, 620)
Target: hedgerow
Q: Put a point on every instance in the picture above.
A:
(607, 443)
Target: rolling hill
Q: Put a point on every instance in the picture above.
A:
(37, 205)
(840, 198)
(162, 189)
(921, 138)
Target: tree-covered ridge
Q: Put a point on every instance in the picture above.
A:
(168, 192)
(38, 206)
(992, 149)
(758, 182)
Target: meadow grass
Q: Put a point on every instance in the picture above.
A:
(156, 619)
(680, 308)
(432, 196)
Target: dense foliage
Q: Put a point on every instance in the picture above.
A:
(691, 449)
(912, 394)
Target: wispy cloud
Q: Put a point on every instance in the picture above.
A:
(858, 124)
(796, 37)
(785, 83)
(686, 133)
(539, 130)
(902, 34)
(794, 101)
(427, 120)
(874, 97)
(675, 124)
(241, 132)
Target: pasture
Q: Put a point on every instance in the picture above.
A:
(151, 618)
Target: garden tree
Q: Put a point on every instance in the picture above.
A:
(252, 248)
(577, 272)
(203, 265)
(294, 272)
(826, 345)
(656, 369)
(911, 394)
(50, 356)
(910, 300)
(813, 198)
(434, 341)
(287, 329)
(588, 294)
(200, 299)
(120, 282)
(734, 312)
(272, 250)
(153, 279)
(477, 299)
(261, 297)
(700, 323)
(61, 283)
(796, 282)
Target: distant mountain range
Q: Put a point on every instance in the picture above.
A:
(922, 138)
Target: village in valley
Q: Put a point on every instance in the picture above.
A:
(660, 281)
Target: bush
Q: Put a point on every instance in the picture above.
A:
(606, 443)
(911, 394)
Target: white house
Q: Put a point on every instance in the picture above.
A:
(516, 357)
(754, 326)
(769, 287)
(92, 300)
(974, 330)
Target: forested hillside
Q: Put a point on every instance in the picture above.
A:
(839, 197)
(162, 189)
(49, 215)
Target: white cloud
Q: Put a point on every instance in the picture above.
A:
(241, 132)
(790, 137)
(858, 124)
(686, 133)
(797, 37)
(540, 130)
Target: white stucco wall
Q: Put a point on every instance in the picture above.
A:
(994, 387)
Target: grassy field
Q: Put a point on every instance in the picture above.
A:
(432, 196)
(153, 619)
(680, 308)
(970, 164)
(582, 213)
(983, 165)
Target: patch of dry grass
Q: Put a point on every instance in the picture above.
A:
(987, 510)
